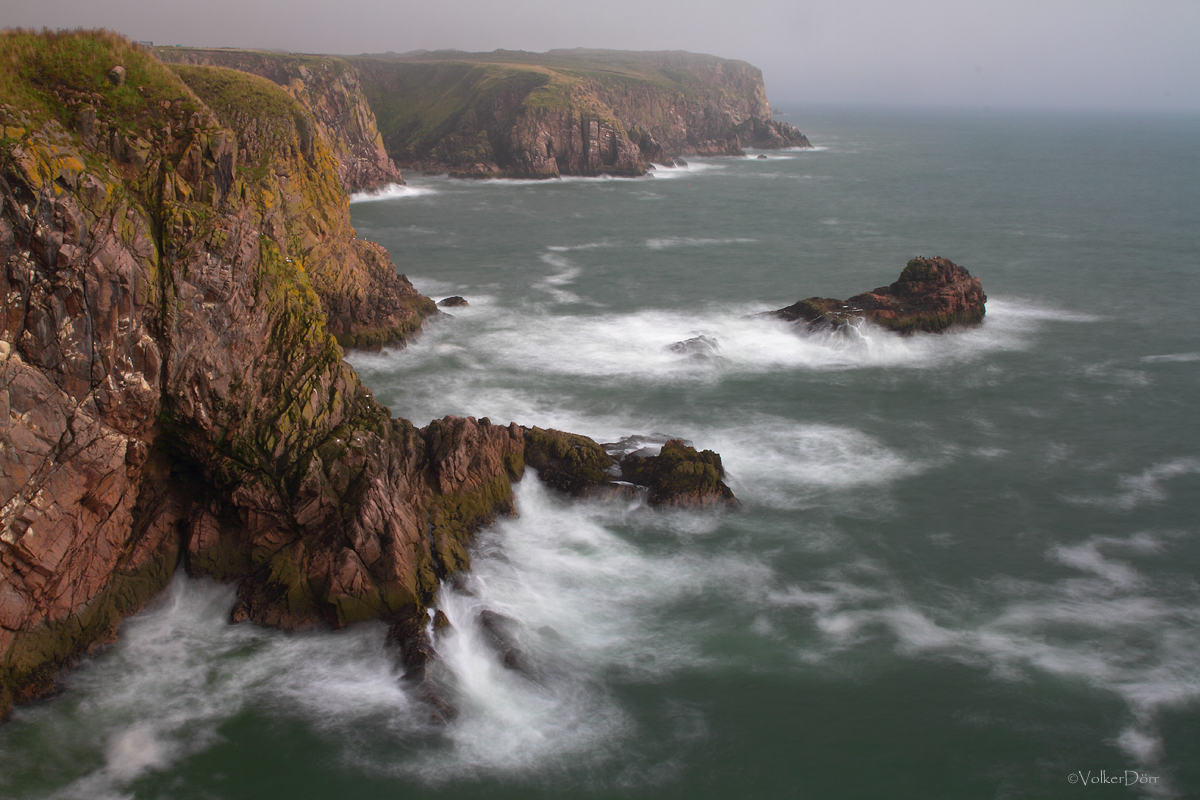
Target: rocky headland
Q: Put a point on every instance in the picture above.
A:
(179, 278)
(566, 112)
(329, 88)
(931, 295)
(512, 114)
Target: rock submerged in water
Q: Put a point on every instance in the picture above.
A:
(699, 346)
(931, 295)
(671, 471)
(453, 302)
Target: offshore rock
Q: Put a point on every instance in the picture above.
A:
(698, 347)
(680, 477)
(673, 472)
(931, 295)
(453, 302)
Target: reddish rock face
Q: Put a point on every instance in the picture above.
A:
(930, 295)
(172, 394)
(330, 88)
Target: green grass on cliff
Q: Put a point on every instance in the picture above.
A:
(423, 99)
(51, 74)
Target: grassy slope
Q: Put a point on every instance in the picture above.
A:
(419, 99)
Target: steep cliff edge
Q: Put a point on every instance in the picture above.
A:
(175, 255)
(171, 393)
(330, 88)
(566, 112)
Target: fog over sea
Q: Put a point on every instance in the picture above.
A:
(966, 565)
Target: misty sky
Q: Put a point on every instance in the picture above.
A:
(1076, 54)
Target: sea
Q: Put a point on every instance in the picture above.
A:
(964, 566)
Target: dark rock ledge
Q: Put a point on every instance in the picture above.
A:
(931, 295)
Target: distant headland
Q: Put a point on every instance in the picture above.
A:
(513, 114)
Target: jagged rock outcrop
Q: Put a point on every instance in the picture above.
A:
(930, 295)
(367, 304)
(175, 256)
(329, 87)
(171, 393)
(566, 112)
(674, 474)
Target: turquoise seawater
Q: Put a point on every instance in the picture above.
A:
(966, 566)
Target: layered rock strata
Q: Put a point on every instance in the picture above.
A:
(931, 295)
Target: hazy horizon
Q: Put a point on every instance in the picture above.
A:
(1068, 55)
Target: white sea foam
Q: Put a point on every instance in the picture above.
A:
(1147, 487)
(784, 465)
(1107, 628)
(585, 246)
(587, 606)
(687, 241)
(393, 191)
(1169, 358)
(695, 168)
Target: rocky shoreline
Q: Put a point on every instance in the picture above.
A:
(513, 114)
(180, 277)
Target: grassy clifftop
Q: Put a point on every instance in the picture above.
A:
(565, 111)
(326, 85)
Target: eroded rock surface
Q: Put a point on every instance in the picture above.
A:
(170, 392)
(931, 295)
(673, 473)
(327, 85)
(177, 269)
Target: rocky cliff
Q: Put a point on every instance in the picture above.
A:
(175, 257)
(566, 112)
(329, 87)
(171, 390)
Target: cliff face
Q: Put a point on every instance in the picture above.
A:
(171, 393)
(330, 89)
(175, 258)
(512, 114)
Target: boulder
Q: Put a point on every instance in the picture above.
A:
(453, 302)
(699, 346)
(680, 477)
(667, 471)
(931, 295)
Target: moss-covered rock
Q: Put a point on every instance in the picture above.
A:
(569, 462)
(679, 476)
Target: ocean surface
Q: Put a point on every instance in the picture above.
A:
(966, 565)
